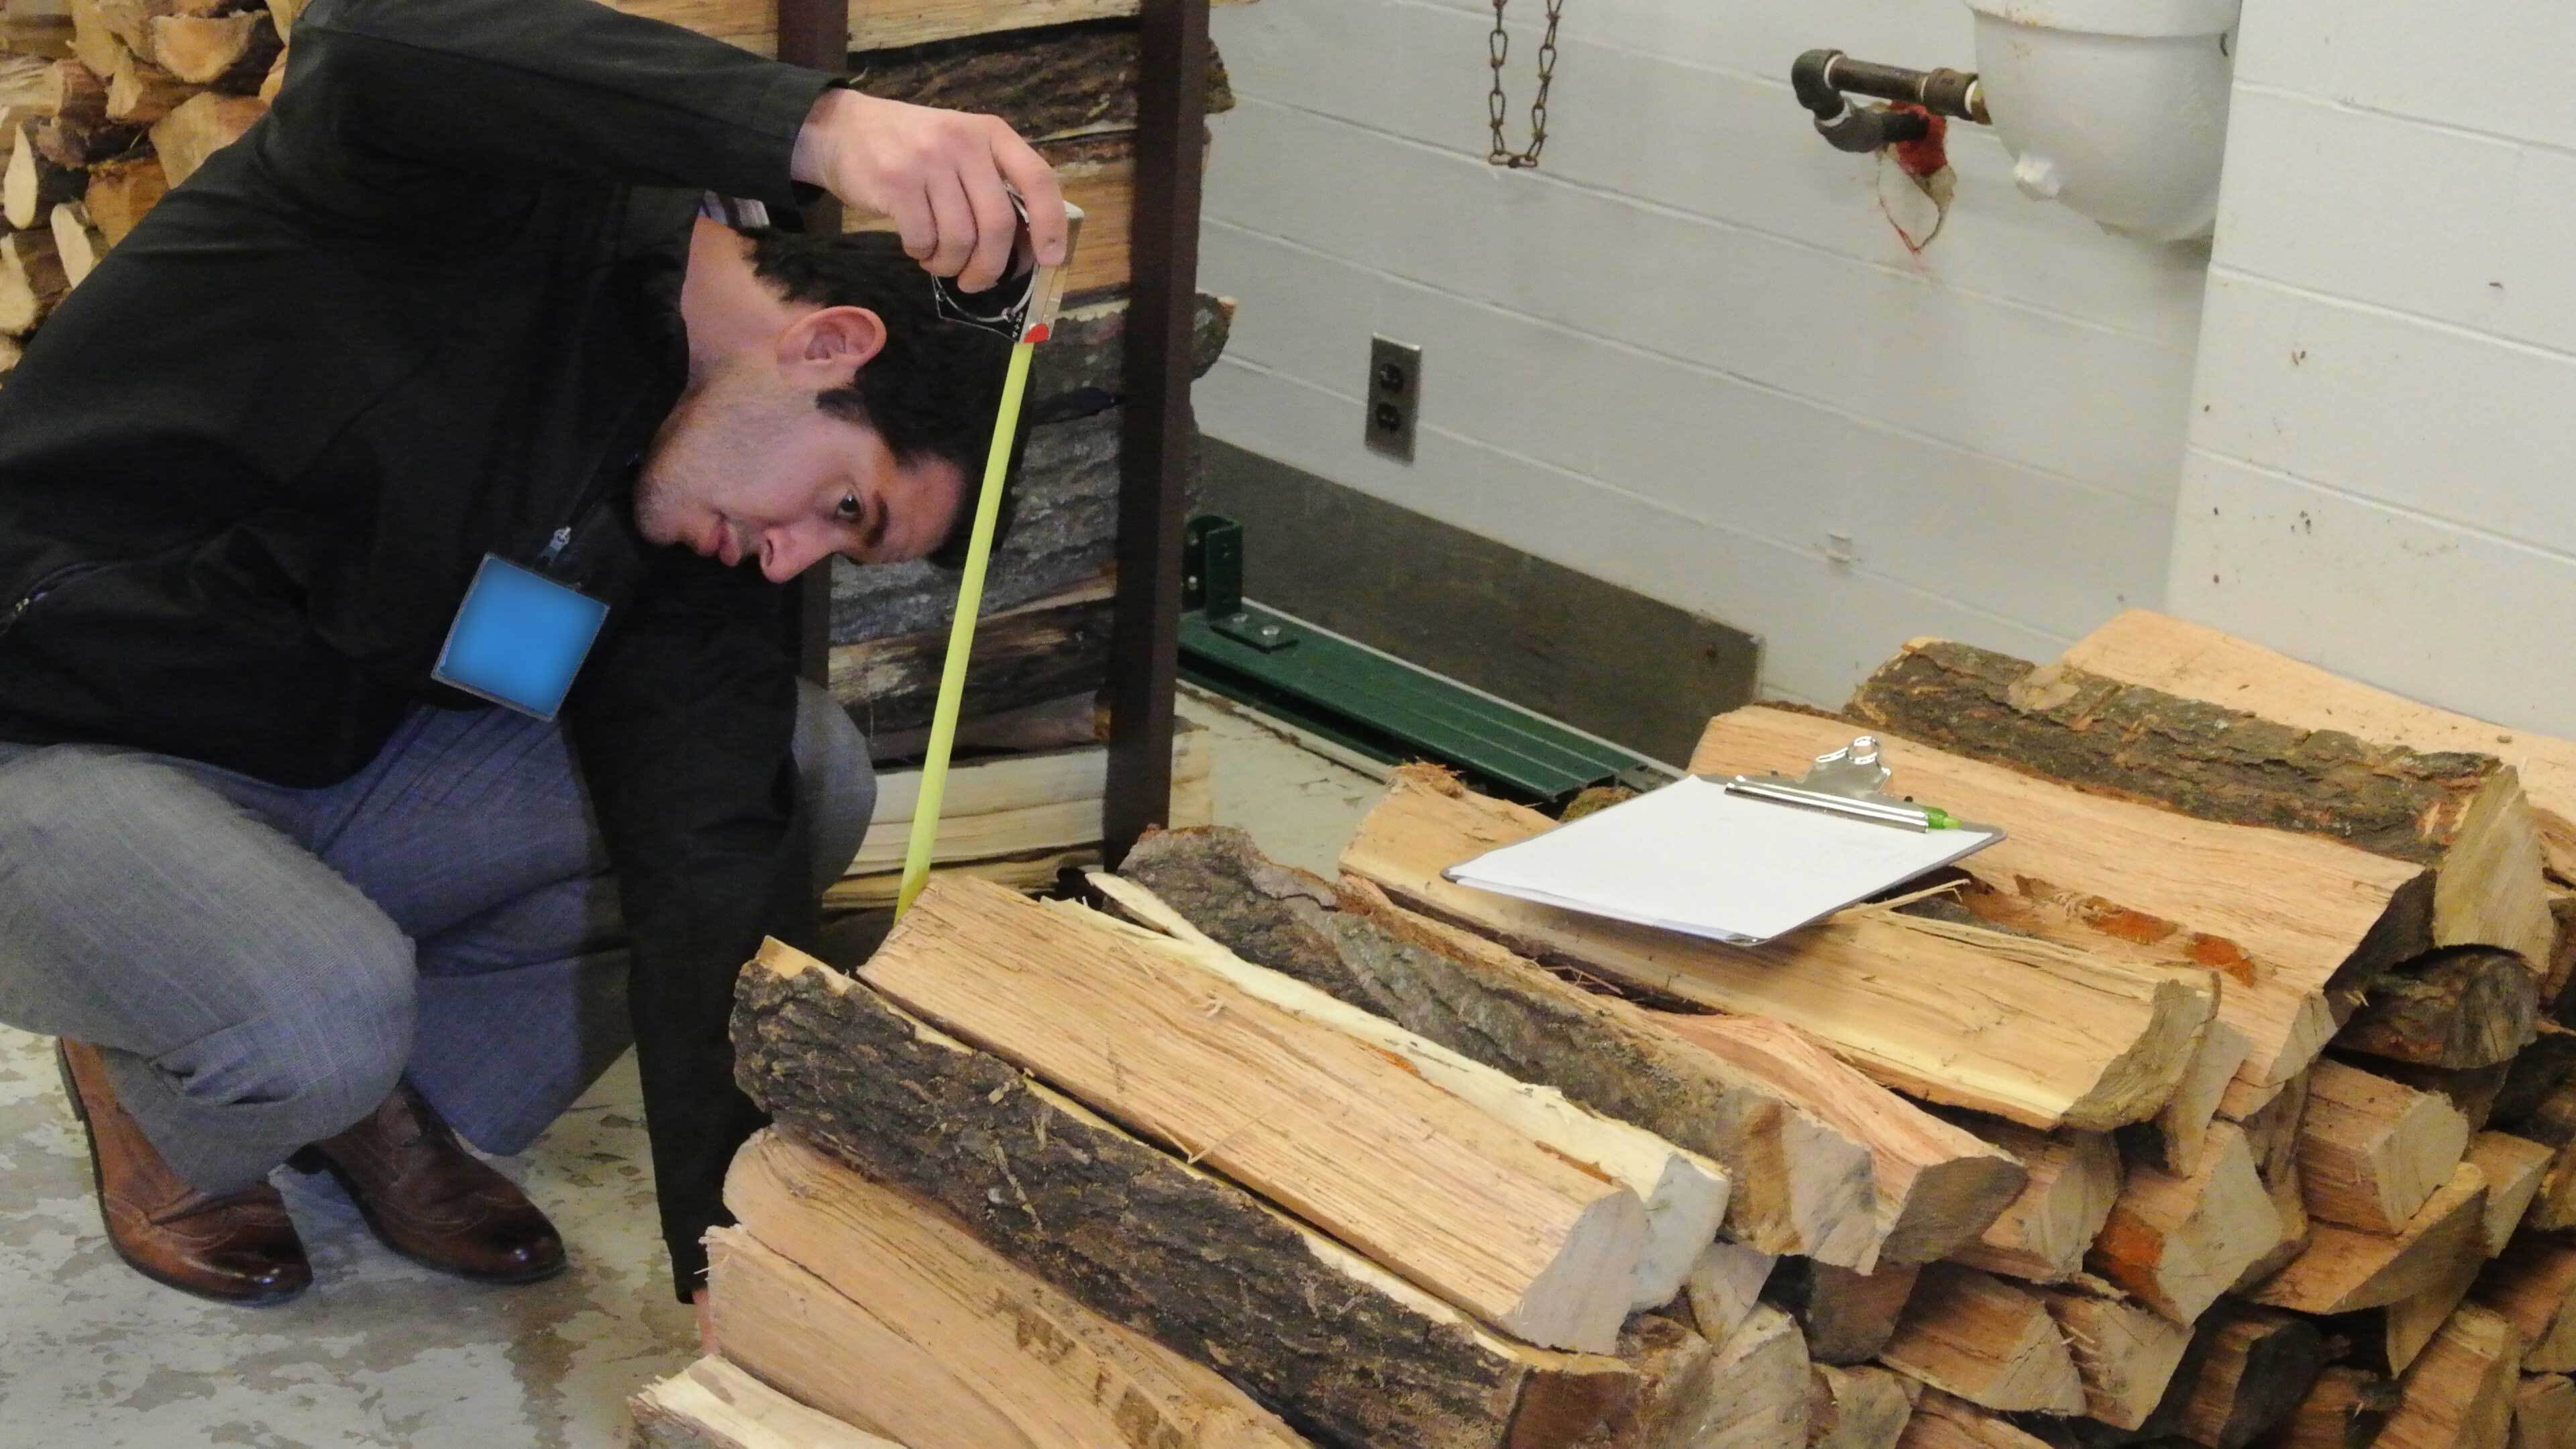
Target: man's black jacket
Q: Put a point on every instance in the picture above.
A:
(426, 309)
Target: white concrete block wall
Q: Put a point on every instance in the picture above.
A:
(2382, 437)
(1691, 348)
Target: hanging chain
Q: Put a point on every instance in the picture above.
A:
(1499, 48)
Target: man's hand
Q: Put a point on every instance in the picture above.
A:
(939, 174)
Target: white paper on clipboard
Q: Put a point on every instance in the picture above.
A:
(1694, 858)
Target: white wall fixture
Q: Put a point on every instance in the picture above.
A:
(2118, 108)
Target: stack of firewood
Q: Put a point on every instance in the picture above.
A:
(105, 105)
(2222, 1103)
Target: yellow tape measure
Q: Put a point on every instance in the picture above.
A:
(1028, 322)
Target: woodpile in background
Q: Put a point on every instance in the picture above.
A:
(2225, 1103)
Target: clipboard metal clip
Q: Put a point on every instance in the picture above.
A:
(1850, 781)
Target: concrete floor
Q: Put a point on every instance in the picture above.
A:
(382, 1353)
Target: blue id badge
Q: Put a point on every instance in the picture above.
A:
(519, 638)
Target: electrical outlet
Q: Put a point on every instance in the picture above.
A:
(1394, 395)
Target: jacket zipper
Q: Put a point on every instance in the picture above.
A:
(42, 587)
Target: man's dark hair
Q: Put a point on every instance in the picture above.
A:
(934, 389)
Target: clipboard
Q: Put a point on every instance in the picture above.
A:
(1743, 859)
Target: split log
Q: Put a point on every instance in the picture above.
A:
(2542, 1071)
(1976, 1336)
(2346, 1269)
(2253, 1369)
(2544, 1412)
(76, 242)
(2514, 1169)
(2388, 1340)
(947, 1343)
(1082, 368)
(31, 280)
(2142, 647)
(93, 43)
(2554, 1210)
(2022, 1029)
(1684, 1193)
(81, 144)
(31, 185)
(1040, 651)
(1325, 1126)
(199, 127)
(1847, 1317)
(2472, 1091)
(1724, 1286)
(1012, 804)
(2174, 1137)
(10, 352)
(1057, 724)
(2372, 1152)
(2460, 1394)
(1944, 1421)
(2533, 1286)
(1760, 1378)
(713, 1405)
(275, 81)
(2126, 1354)
(1858, 1408)
(2562, 961)
(2463, 814)
(2471, 1006)
(2043, 1235)
(2298, 1230)
(225, 52)
(72, 92)
(1048, 85)
(2346, 1409)
(120, 192)
(879, 23)
(1344, 1350)
(2176, 1243)
(140, 93)
(2294, 911)
(1800, 1184)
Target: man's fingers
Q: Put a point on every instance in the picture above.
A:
(956, 218)
(915, 222)
(1024, 168)
(997, 232)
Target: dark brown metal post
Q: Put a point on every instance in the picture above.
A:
(1155, 445)
(816, 34)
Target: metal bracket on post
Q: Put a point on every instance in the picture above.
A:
(1212, 584)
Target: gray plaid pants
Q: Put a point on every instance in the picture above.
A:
(260, 965)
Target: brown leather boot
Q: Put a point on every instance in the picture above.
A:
(237, 1247)
(431, 1200)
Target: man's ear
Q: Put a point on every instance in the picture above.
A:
(825, 348)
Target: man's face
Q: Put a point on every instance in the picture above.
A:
(747, 467)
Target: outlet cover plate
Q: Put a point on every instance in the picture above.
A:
(1394, 396)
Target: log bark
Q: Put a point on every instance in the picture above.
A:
(2472, 1091)
(2043, 1234)
(2542, 1071)
(2544, 1412)
(2253, 1369)
(1324, 1125)
(964, 1340)
(1800, 1185)
(2346, 1269)
(712, 1404)
(2460, 1394)
(1023, 656)
(2021, 1029)
(1048, 85)
(1082, 369)
(2345, 1409)
(225, 52)
(2176, 1243)
(2142, 647)
(199, 127)
(2471, 1006)
(2532, 1285)
(1847, 1317)
(2514, 1169)
(120, 192)
(2372, 1151)
(1981, 1338)
(1344, 1351)
(1684, 1193)
(2283, 912)
(1858, 1408)
(2125, 1353)
(2463, 814)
